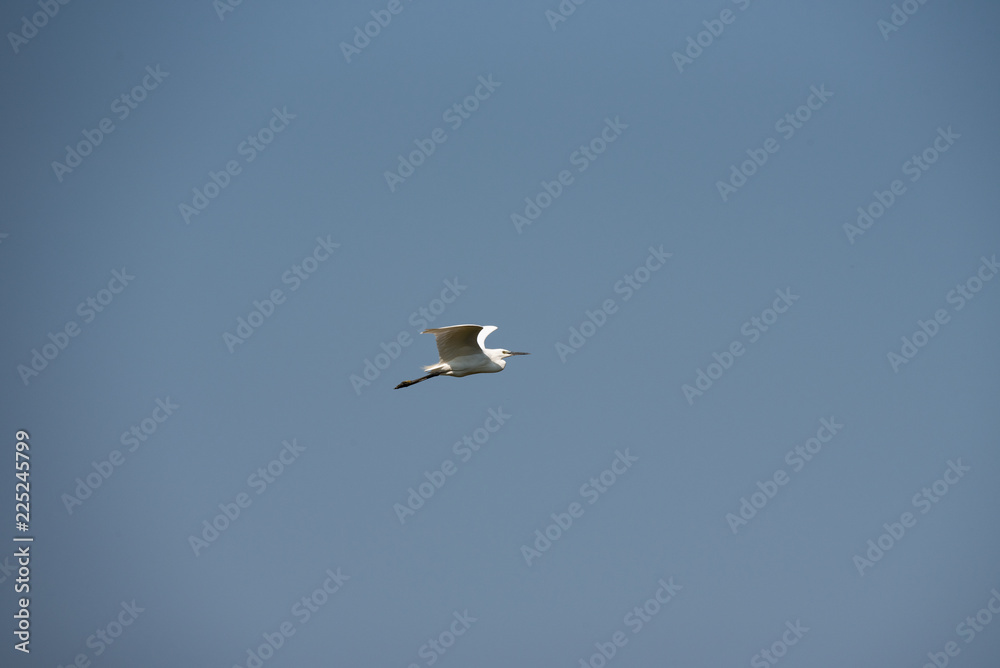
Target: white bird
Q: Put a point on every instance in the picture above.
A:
(463, 353)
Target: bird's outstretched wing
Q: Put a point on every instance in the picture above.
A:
(460, 340)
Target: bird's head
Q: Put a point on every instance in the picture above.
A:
(499, 356)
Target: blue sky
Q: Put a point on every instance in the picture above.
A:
(751, 248)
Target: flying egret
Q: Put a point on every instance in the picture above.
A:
(463, 353)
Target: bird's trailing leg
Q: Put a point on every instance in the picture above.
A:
(407, 383)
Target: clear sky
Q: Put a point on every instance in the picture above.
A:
(752, 247)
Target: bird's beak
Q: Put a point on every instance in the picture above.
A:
(512, 354)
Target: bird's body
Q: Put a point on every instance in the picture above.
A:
(463, 353)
